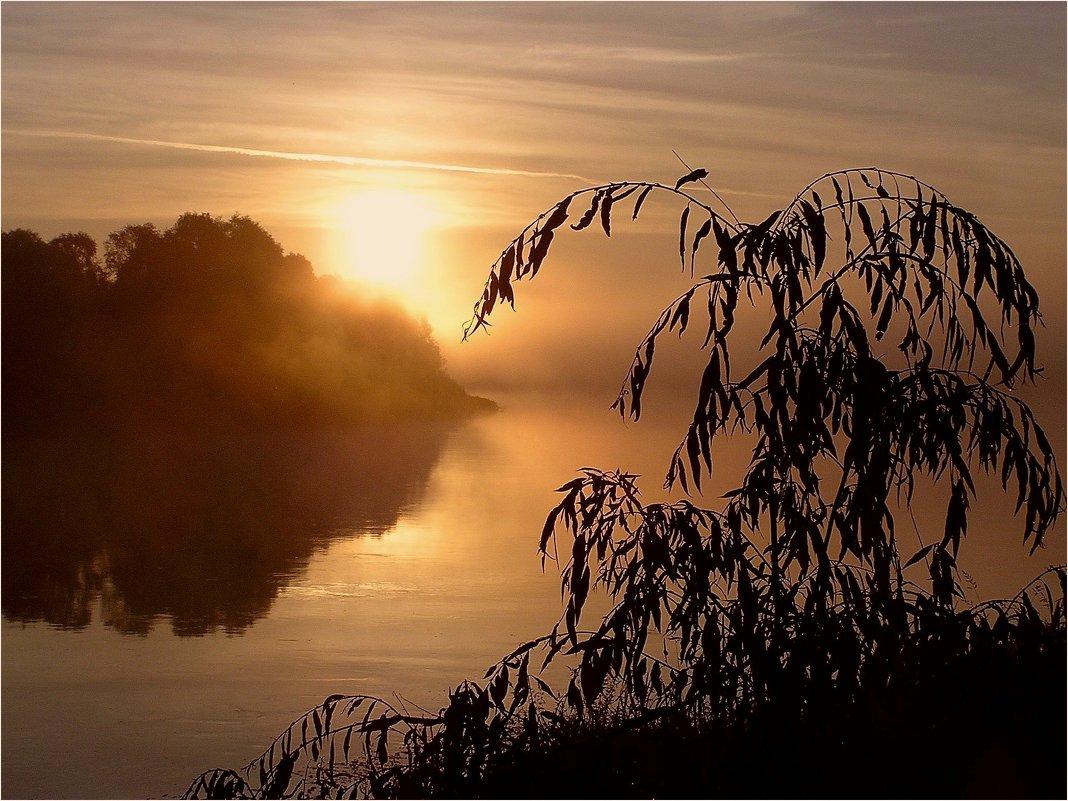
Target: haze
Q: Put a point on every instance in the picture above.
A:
(401, 147)
(482, 115)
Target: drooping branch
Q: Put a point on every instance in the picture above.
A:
(524, 255)
(879, 256)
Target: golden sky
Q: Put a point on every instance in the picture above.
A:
(443, 128)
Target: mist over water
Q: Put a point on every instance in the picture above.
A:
(395, 562)
(379, 564)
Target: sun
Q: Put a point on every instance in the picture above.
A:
(383, 233)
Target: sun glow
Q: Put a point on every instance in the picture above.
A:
(383, 234)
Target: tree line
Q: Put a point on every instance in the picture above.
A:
(209, 322)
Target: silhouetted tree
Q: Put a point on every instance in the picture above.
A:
(128, 251)
(209, 321)
(783, 633)
(169, 395)
(51, 320)
(81, 248)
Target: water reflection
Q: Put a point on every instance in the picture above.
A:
(203, 530)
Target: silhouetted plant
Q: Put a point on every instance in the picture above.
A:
(788, 619)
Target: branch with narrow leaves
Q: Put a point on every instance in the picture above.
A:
(884, 259)
(523, 257)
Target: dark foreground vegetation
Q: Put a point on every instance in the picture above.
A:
(789, 642)
(209, 323)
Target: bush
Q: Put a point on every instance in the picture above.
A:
(782, 644)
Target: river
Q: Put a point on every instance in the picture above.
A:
(177, 613)
(170, 606)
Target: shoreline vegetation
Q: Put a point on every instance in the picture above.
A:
(779, 645)
(208, 325)
(199, 386)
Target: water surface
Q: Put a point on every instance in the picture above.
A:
(171, 607)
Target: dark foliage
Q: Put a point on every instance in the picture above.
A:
(186, 417)
(781, 644)
(207, 323)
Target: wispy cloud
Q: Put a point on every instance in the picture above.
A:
(322, 158)
(646, 55)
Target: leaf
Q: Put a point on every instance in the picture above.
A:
(929, 231)
(490, 298)
(540, 246)
(728, 256)
(690, 177)
(606, 213)
(764, 227)
(282, 774)
(591, 212)
(956, 516)
(539, 250)
(545, 688)
(682, 235)
(519, 263)
(641, 199)
(559, 215)
(876, 294)
(504, 284)
(838, 192)
(574, 697)
(592, 673)
(498, 687)
(523, 677)
(865, 221)
(817, 232)
(920, 554)
(681, 315)
(702, 232)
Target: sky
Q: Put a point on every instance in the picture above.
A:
(404, 144)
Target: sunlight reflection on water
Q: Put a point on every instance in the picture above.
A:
(378, 589)
(443, 590)
(450, 585)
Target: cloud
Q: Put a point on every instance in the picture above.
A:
(348, 161)
(647, 55)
